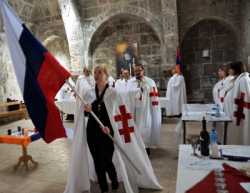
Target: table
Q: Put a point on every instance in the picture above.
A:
(196, 112)
(23, 141)
(191, 169)
(13, 109)
(68, 106)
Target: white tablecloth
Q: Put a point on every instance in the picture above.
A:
(196, 112)
(191, 169)
(68, 106)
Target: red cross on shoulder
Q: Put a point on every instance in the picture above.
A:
(124, 117)
(239, 113)
(154, 94)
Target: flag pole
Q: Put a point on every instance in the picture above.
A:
(102, 126)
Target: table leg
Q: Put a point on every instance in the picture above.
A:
(225, 133)
(184, 132)
(25, 158)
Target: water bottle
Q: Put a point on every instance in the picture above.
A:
(213, 143)
(213, 136)
(18, 131)
(217, 110)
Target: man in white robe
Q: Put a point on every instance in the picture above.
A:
(219, 86)
(85, 80)
(122, 84)
(176, 94)
(236, 106)
(143, 102)
(241, 116)
(227, 84)
(81, 168)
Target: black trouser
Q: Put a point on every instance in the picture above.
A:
(102, 153)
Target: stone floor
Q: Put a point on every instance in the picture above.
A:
(50, 175)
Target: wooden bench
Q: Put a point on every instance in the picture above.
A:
(7, 110)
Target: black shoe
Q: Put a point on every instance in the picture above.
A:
(148, 151)
(115, 185)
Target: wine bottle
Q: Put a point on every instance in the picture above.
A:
(204, 139)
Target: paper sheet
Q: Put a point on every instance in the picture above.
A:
(237, 151)
(246, 186)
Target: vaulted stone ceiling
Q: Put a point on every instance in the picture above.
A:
(24, 8)
(45, 9)
(33, 11)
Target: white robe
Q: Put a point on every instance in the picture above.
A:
(122, 85)
(241, 94)
(146, 109)
(81, 164)
(238, 134)
(220, 90)
(176, 95)
(217, 92)
(227, 95)
(85, 81)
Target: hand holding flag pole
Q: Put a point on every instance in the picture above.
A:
(102, 126)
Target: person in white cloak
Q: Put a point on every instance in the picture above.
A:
(218, 87)
(142, 100)
(176, 94)
(122, 83)
(85, 80)
(237, 105)
(119, 122)
(218, 96)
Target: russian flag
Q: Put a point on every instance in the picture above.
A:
(39, 75)
(179, 65)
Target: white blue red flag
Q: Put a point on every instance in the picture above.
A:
(39, 75)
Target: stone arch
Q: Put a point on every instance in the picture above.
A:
(219, 38)
(127, 27)
(58, 46)
(91, 27)
(195, 22)
(152, 20)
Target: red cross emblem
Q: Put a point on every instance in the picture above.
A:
(124, 117)
(154, 93)
(239, 114)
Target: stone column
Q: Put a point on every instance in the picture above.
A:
(74, 32)
(170, 32)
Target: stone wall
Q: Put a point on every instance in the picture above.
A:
(222, 39)
(200, 70)
(76, 24)
(159, 15)
(192, 11)
(48, 24)
(8, 82)
(245, 41)
(131, 30)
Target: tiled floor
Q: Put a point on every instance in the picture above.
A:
(51, 174)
